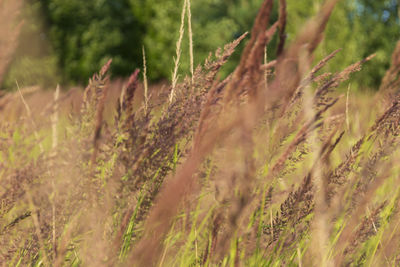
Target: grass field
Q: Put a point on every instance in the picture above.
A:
(272, 166)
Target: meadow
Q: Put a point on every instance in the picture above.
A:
(271, 166)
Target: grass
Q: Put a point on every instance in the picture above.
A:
(270, 167)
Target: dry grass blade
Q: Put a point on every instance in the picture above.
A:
(391, 80)
(282, 27)
(178, 51)
(311, 77)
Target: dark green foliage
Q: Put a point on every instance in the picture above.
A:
(360, 28)
(379, 33)
(84, 34)
(214, 23)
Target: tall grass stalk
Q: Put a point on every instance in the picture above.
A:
(146, 86)
(178, 51)
(189, 18)
(266, 69)
(320, 234)
(347, 108)
(54, 125)
(30, 117)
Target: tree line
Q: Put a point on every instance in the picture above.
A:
(82, 35)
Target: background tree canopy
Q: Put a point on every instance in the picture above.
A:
(80, 36)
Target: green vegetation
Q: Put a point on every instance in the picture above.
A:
(83, 35)
(270, 166)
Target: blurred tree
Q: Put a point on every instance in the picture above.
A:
(214, 23)
(84, 34)
(360, 28)
(33, 62)
(357, 26)
(378, 33)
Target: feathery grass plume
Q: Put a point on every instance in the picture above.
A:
(297, 206)
(365, 188)
(287, 75)
(300, 203)
(346, 166)
(212, 106)
(101, 94)
(390, 235)
(391, 80)
(81, 156)
(190, 166)
(177, 188)
(9, 32)
(178, 51)
(367, 228)
(327, 102)
(177, 121)
(313, 123)
(385, 125)
(183, 177)
(91, 113)
(93, 90)
(388, 123)
(371, 166)
(19, 181)
(275, 95)
(292, 112)
(93, 105)
(240, 171)
(353, 221)
(177, 114)
(249, 67)
(125, 104)
(327, 87)
(16, 221)
(320, 229)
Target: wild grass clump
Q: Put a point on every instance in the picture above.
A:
(258, 169)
